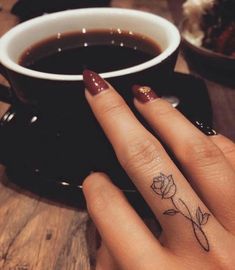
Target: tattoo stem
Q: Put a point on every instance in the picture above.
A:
(198, 232)
(164, 186)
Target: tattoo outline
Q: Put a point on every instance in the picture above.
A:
(164, 186)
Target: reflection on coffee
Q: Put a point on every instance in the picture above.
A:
(101, 51)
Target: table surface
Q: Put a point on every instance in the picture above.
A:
(39, 234)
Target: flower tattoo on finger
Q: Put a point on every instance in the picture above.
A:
(164, 186)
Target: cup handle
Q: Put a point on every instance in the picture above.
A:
(5, 92)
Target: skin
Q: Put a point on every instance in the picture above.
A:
(206, 180)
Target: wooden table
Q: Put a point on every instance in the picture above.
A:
(37, 234)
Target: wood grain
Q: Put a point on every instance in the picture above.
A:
(37, 234)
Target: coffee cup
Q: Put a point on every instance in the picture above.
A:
(53, 133)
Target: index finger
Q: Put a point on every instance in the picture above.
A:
(113, 113)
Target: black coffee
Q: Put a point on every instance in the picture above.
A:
(100, 51)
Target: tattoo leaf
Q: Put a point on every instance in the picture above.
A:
(201, 237)
(170, 212)
(205, 218)
(199, 216)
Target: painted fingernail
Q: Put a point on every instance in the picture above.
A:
(93, 82)
(207, 130)
(143, 93)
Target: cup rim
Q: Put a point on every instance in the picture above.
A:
(10, 64)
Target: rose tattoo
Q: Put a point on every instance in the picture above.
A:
(164, 186)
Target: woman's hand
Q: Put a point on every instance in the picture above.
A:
(194, 205)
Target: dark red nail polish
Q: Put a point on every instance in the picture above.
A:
(143, 93)
(93, 82)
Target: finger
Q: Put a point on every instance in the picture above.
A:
(226, 146)
(125, 235)
(202, 161)
(144, 159)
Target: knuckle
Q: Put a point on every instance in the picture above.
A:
(90, 181)
(141, 153)
(202, 152)
(112, 107)
(229, 151)
(99, 193)
(93, 188)
(165, 109)
(104, 202)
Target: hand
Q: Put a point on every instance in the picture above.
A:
(194, 205)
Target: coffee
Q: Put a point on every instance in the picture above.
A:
(101, 51)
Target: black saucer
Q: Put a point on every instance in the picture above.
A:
(40, 152)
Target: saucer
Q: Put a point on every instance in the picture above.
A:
(41, 152)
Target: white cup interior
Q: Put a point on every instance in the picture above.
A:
(21, 37)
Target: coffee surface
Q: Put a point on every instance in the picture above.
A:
(101, 51)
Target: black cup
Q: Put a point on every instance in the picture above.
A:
(50, 132)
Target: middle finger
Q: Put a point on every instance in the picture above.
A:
(203, 162)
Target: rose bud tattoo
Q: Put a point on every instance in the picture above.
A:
(164, 186)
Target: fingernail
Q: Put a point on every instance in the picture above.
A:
(143, 93)
(93, 82)
(207, 130)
